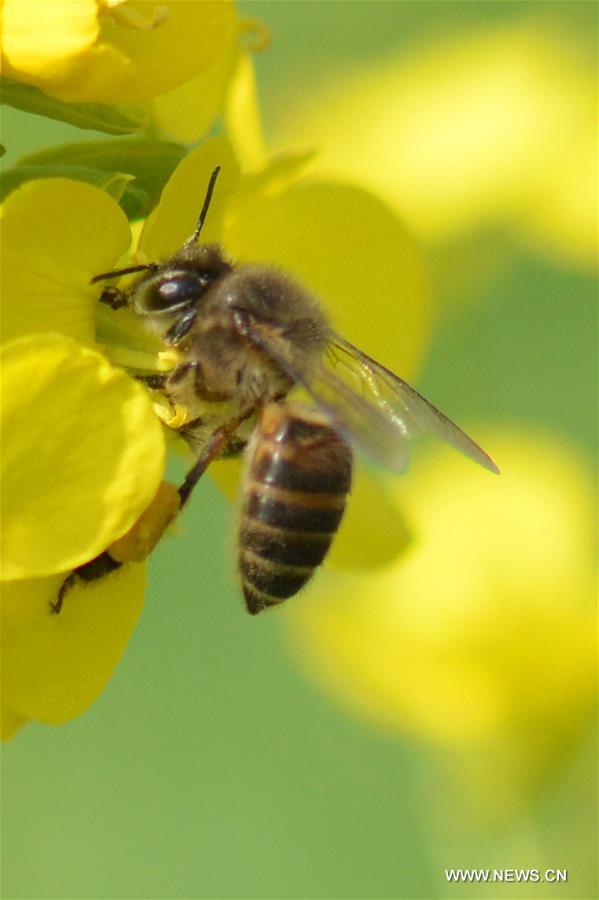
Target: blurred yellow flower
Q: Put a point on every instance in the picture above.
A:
(228, 87)
(487, 128)
(482, 637)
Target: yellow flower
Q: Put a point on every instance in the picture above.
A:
(117, 51)
(481, 638)
(83, 452)
(483, 129)
(82, 458)
(102, 452)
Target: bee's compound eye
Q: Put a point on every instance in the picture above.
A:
(168, 292)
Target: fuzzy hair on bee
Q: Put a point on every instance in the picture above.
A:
(246, 336)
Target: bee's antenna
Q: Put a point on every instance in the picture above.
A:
(128, 271)
(143, 266)
(205, 207)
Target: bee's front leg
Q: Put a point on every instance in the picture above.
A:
(181, 328)
(113, 297)
(156, 381)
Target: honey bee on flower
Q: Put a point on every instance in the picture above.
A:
(246, 336)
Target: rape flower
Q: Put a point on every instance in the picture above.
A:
(112, 51)
(83, 453)
(51, 306)
(82, 459)
(491, 129)
(481, 639)
(173, 60)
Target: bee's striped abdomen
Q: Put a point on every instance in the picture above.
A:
(297, 479)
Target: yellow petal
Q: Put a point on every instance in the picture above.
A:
(40, 39)
(174, 220)
(187, 112)
(281, 173)
(113, 53)
(188, 39)
(54, 666)
(373, 530)
(347, 247)
(242, 114)
(83, 454)
(137, 544)
(56, 235)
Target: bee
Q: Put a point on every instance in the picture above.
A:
(246, 336)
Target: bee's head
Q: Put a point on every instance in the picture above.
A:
(175, 286)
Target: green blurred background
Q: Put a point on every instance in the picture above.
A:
(210, 767)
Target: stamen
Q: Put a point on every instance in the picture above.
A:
(127, 17)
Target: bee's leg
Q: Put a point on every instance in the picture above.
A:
(181, 327)
(192, 369)
(212, 449)
(93, 570)
(217, 443)
(156, 381)
(113, 297)
(180, 372)
(56, 605)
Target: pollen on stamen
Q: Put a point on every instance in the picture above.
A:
(173, 416)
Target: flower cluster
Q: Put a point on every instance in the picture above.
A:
(453, 606)
(85, 449)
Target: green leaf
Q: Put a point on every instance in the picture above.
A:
(151, 162)
(96, 116)
(133, 170)
(132, 198)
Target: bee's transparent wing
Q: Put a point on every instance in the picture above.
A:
(379, 411)
(363, 421)
(408, 409)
